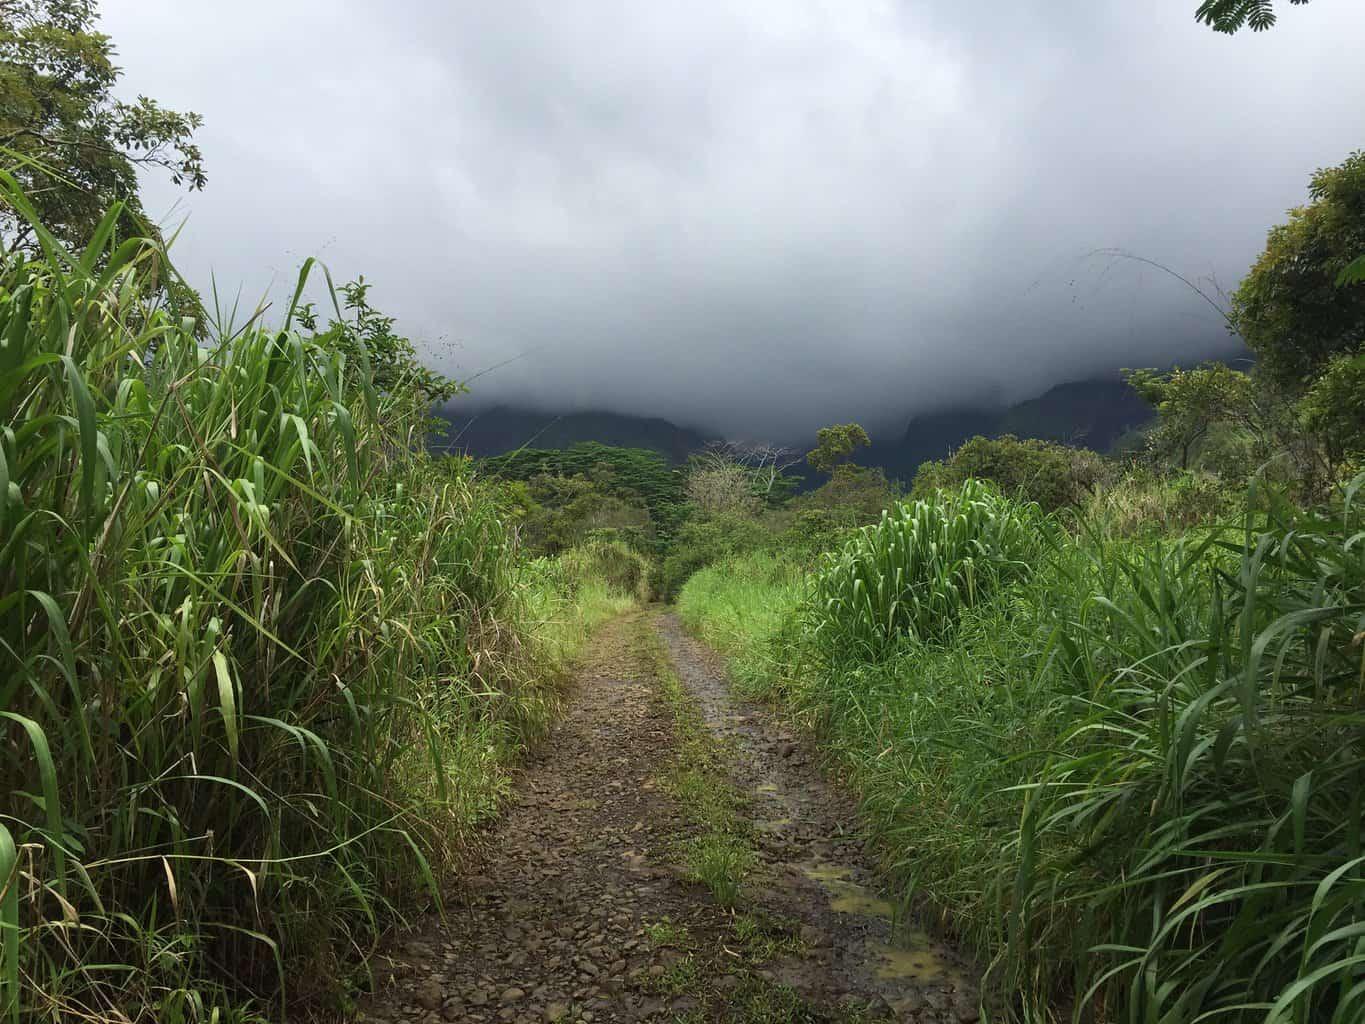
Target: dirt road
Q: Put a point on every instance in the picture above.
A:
(672, 854)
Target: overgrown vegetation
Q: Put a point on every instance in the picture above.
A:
(1052, 475)
(1115, 742)
(917, 571)
(566, 495)
(265, 662)
(1142, 764)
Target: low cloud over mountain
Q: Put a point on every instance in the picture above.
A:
(758, 216)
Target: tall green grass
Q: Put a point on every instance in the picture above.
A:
(1200, 822)
(740, 606)
(1133, 783)
(915, 571)
(261, 661)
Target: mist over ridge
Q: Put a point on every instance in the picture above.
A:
(761, 217)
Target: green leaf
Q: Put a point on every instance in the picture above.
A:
(227, 701)
(85, 418)
(1353, 272)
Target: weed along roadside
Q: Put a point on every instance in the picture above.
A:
(1090, 756)
(265, 666)
(644, 870)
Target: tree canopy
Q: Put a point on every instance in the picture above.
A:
(1290, 308)
(835, 445)
(1334, 407)
(1053, 475)
(74, 148)
(637, 474)
(1189, 403)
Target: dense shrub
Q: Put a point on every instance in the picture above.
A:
(623, 569)
(1050, 474)
(1334, 407)
(853, 495)
(555, 513)
(1145, 502)
(638, 478)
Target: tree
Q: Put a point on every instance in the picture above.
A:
(73, 147)
(835, 445)
(723, 491)
(1189, 403)
(1289, 308)
(1334, 408)
(393, 358)
(640, 476)
(767, 464)
(719, 488)
(852, 496)
(566, 510)
(1232, 15)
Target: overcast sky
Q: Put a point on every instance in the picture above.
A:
(756, 217)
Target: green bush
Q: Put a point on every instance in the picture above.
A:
(916, 571)
(1334, 407)
(852, 496)
(581, 485)
(555, 513)
(623, 569)
(1052, 475)
(1144, 502)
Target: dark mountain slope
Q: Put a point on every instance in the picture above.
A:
(502, 428)
(1091, 413)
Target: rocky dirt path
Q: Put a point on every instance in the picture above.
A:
(671, 855)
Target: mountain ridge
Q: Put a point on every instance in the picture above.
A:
(1092, 412)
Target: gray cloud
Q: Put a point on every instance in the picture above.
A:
(758, 216)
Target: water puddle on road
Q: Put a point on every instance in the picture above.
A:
(824, 873)
(772, 824)
(846, 897)
(850, 898)
(915, 959)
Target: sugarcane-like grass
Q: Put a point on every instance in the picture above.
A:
(262, 663)
(1131, 780)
